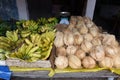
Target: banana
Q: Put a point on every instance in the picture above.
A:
(9, 35)
(46, 54)
(48, 39)
(25, 33)
(22, 49)
(28, 48)
(38, 37)
(33, 38)
(4, 44)
(35, 55)
(1, 50)
(15, 35)
(4, 39)
(33, 49)
(26, 24)
(12, 35)
(28, 42)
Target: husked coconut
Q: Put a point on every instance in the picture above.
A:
(88, 21)
(94, 31)
(83, 29)
(116, 62)
(111, 51)
(80, 54)
(74, 62)
(96, 41)
(88, 37)
(60, 51)
(73, 20)
(86, 46)
(88, 62)
(97, 53)
(107, 62)
(109, 39)
(58, 42)
(61, 62)
(77, 38)
(68, 37)
(71, 49)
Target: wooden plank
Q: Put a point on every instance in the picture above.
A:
(44, 74)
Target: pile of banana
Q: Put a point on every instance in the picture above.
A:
(31, 41)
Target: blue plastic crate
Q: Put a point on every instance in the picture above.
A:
(5, 73)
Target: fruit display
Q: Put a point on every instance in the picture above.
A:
(83, 45)
(30, 42)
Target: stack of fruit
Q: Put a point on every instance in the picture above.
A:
(31, 41)
(84, 45)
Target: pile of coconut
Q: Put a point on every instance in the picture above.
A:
(84, 45)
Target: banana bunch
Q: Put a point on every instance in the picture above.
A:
(45, 28)
(4, 43)
(11, 42)
(12, 35)
(46, 44)
(32, 40)
(25, 33)
(47, 38)
(27, 53)
(35, 39)
(43, 41)
(47, 24)
(42, 21)
(3, 54)
(53, 20)
(30, 25)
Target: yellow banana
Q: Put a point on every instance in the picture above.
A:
(4, 39)
(29, 47)
(25, 34)
(15, 35)
(22, 49)
(9, 35)
(33, 38)
(28, 42)
(4, 44)
(46, 54)
(33, 49)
